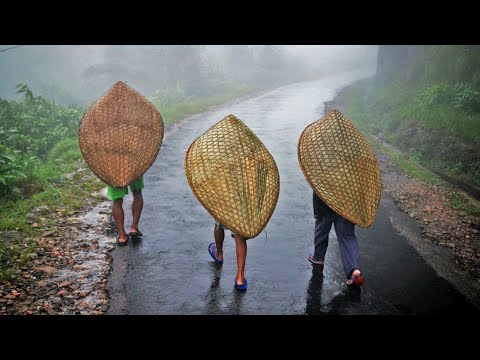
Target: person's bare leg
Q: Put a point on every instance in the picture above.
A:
(241, 248)
(119, 218)
(219, 235)
(137, 206)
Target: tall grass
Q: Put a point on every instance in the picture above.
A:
(371, 123)
(444, 119)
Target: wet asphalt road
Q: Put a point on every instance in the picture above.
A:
(170, 271)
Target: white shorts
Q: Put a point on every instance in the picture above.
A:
(221, 226)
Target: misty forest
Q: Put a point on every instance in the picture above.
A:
(418, 106)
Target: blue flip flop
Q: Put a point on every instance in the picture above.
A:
(242, 287)
(211, 251)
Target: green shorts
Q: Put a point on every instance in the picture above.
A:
(118, 193)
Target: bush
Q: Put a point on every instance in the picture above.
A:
(458, 95)
(11, 171)
(416, 155)
(29, 129)
(168, 97)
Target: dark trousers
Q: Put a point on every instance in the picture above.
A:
(345, 230)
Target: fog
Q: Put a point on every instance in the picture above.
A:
(78, 74)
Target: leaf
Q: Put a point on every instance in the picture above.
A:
(22, 88)
(12, 159)
(19, 174)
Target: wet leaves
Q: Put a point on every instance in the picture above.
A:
(68, 270)
(48, 308)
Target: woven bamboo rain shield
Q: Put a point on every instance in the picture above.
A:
(341, 167)
(234, 176)
(120, 135)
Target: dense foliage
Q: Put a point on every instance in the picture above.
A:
(29, 130)
(425, 100)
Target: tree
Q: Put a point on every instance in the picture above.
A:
(238, 62)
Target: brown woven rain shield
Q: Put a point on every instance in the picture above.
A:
(342, 169)
(234, 176)
(120, 135)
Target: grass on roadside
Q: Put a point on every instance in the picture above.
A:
(467, 205)
(182, 109)
(352, 100)
(408, 166)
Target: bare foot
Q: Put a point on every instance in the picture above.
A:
(356, 278)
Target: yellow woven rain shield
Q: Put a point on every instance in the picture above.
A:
(234, 176)
(342, 169)
(120, 135)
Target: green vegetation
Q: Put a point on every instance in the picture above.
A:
(438, 125)
(451, 63)
(425, 100)
(427, 105)
(410, 166)
(37, 146)
(14, 252)
(352, 99)
(449, 109)
(468, 206)
(29, 130)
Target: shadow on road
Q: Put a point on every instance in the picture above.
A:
(346, 299)
(214, 296)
